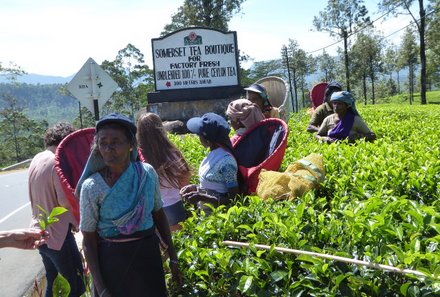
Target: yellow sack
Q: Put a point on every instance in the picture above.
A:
(302, 176)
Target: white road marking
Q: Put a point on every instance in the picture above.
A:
(14, 212)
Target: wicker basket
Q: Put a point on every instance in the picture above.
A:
(278, 91)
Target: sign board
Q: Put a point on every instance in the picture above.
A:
(92, 86)
(195, 58)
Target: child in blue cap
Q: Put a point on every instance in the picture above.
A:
(218, 172)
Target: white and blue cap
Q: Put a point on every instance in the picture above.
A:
(259, 89)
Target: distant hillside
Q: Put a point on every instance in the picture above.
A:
(41, 101)
(35, 79)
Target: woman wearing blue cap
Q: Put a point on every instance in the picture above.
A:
(345, 123)
(120, 209)
(218, 172)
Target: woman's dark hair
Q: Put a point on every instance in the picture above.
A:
(159, 151)
(55, 134)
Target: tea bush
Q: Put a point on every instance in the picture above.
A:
(379, 203)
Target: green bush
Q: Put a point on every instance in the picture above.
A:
(379, 203)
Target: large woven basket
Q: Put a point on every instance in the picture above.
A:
(278, 91)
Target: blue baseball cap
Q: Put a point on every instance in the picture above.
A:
(211, 126)
(119, 119)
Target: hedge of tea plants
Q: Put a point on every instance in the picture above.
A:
(379, 203)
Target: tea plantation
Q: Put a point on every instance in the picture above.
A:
(379, 203)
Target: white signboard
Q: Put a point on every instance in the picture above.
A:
(195, 58)
(92, 83)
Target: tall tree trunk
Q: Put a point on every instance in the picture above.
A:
(347, 68)
(17, 146)
(422, 53)
(411, 84)
(398, 82)
(372, 81)
(286, 56)
(364, 87)
(295, 88)
(302, 93)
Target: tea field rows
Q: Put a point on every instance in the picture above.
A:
(379, 203)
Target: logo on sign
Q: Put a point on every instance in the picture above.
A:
(192, 39)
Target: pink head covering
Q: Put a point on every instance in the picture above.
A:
(245, 111)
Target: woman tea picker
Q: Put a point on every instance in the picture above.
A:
(345, 123)
(120, 207)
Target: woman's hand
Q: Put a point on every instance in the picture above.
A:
(175, 272)
(194, 197)
(188, 189)
(23, 238)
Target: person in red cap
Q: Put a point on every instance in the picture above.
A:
(325, 109)
(256, 93)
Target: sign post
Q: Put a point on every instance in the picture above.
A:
(92, 86)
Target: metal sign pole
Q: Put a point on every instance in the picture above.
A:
(94, 95)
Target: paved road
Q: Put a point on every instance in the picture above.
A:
(18, 268)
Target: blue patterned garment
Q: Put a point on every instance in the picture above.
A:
(218, 171)
(124, 208)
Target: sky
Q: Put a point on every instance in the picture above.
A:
(56, 37)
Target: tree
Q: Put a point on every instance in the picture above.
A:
(206, 13)
(327, 65)
(20, 136)
(408, 57)
(133, 77)
(298, 64)
(404, 7)
(265, 68)
(390, 64)
(12, 72)
(433, 47)
(341, 18)
(367, 53)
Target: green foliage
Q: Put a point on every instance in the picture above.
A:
(61, 287)
(212, 14)
(134, 79)
(46, 219)
(42, 102)
(20, 137)
(379, 203)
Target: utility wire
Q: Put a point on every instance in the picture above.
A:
(367, 26)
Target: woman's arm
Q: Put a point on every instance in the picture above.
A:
(362, 130)
(161, 222)
(90, 244)
(22, 238)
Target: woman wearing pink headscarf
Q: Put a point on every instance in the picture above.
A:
(243, 114)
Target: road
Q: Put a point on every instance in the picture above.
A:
(18, 268)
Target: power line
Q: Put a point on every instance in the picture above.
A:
(367, 26)
(360, 29)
